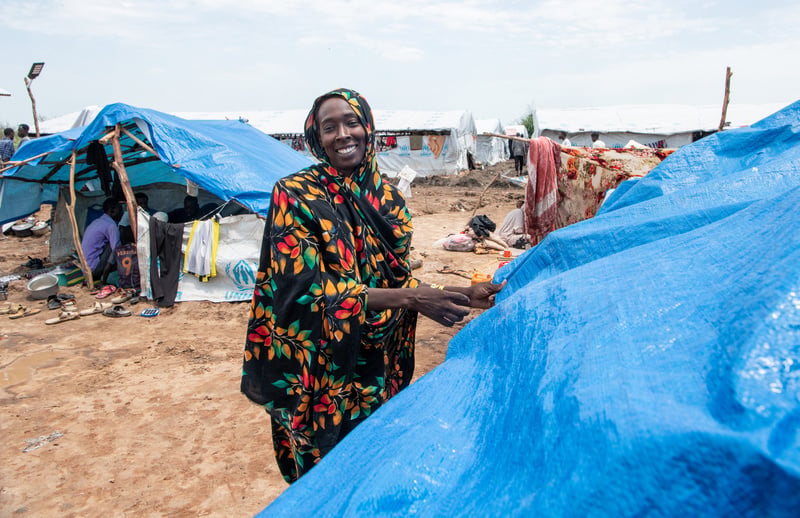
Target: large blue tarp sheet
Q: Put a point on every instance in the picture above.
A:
(229, 159)
(645, 362)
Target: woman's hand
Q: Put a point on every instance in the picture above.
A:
(444, 307)
(482, 295)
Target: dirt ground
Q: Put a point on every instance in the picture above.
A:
(143, 416)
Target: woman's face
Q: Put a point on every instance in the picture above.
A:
(341, 134)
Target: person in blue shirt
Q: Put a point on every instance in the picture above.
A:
(7, 145)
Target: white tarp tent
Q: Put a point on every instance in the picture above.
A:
(490, 150)
(69, 121)
(654, 125)
(431, 143)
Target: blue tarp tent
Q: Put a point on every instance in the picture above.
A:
(229, 159)
(645, 362)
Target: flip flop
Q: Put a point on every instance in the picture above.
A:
(117, 311)
(53, 302)
(62, 317)
(9, 308)
(124, 297)
(65, 296)
(106, 291)
(26, 312)
(69, 305)
(98, 307)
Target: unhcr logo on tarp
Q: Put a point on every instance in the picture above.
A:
(242, 273)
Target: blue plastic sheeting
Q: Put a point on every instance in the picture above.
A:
(643, 362)
(229, 159)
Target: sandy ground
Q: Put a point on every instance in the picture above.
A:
(143, 416)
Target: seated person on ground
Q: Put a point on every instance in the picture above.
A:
(100, 238)
(126, 261)
(189, 212)
(142, 202)
(512, 230)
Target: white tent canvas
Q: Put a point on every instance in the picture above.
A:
(490, 150)
(656, 125)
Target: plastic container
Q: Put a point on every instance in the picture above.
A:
(478, 277)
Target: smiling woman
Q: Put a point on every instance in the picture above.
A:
(321, 355)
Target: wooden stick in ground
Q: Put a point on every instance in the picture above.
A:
(76, 238)
(480, 198)
(33, 105)
(728, 75)
(119, 166)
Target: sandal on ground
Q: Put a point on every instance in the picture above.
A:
(117, 311)
(9, 308)
(123, 296)
(53, 302)
(65, 296)
(105, 291)
(69, 305)
(62, 317)
(98, 307)
(25, 312)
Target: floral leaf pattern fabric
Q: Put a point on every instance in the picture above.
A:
(318, 361)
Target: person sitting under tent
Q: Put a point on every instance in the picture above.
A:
(596, 142)
(126, 262)
(512, 230)
(100, 238)
(189, 212)
(142, 201)
(563, 140)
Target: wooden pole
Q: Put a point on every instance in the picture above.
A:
(12, 165)
(480, 198)
(509, 137)
(728, 75)
(33, 105)
(119, 166)
(76, 238)
(139, 141)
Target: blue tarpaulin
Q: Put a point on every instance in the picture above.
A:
(645, 362)
(229, 159)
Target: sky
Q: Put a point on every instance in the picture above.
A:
(497, 59)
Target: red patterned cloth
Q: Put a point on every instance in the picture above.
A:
(541, 193)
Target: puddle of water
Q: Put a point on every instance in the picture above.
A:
(23, 368)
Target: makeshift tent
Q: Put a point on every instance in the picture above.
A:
(229, 161)
(653, 125)
(430, 143)
(68, 121)
(490, 149)
(642, 362)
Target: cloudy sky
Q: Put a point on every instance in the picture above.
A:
(494, 58)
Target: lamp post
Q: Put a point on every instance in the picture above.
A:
(34, 72)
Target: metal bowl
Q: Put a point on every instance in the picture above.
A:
(42, 286)
(40, 228)
(22, 229)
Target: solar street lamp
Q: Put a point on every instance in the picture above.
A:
(33, 73)
(35, 70)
